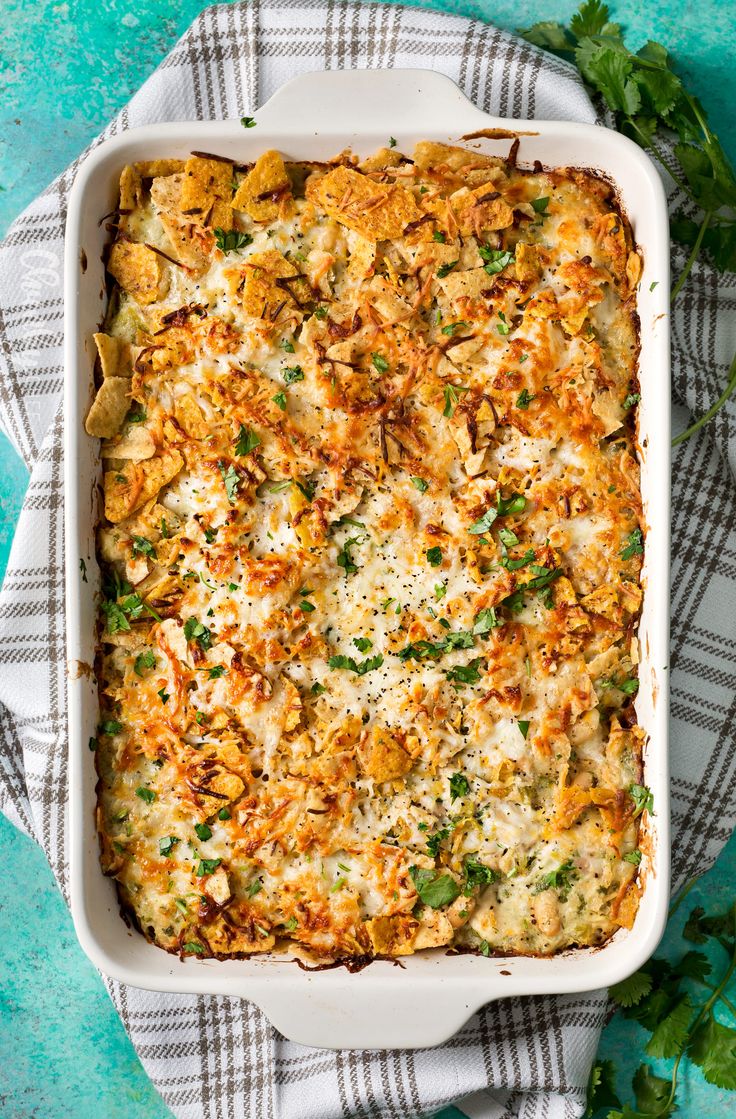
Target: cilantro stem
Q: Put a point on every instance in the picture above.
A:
(730, 386)
(681, 895)
(704, 1010)
(726, 1001)
(649, 146)
(693, 255)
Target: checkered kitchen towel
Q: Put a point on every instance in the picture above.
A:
(218, 1057)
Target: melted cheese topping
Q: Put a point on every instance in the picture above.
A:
(372, 548)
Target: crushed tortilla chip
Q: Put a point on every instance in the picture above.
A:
(138, 270)
(131, 189)
(265, 192)
(190, 418)
(392, 935)
(128, 488)
(109, 409)
(151, 168)
(377, 211)
(387, 757)
(206, 192)
(114, 355)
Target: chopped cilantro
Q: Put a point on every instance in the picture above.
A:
(379, 363)
(446, 269)
(207, 866)
(434, 889)
(420, 484)
(166, 844)
(147, 795)
(539, 205)
(452, 397)
(293, 373)
(459, 786)
(434, 556)
(231, 478)
(340, 661)
(524, 399)
(232, 240)
(194, 630)
(495, 259)
(634, 545)
(204, 831)
(247, 441)
(280, 400)
(144, 661)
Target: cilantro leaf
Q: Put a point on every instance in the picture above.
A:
(379, 363)
(340, 661)
(464, 673)
(478, 876)
(643, 799)
(231, 241)
(247, 441)
(434, 889)
(601, 1088)
(459, 786)
(144, 661)
(495, 259)
(668, 1038)
(194, 630)
(634, 545)
(434, 556)
(485, 621)
(452, 397)
(652, 1093)
(293, 373)
(231, 478)
(446, 269)
(713, 1048)
(630, 991)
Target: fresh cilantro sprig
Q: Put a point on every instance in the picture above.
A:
(676, 1003)
(650, 102)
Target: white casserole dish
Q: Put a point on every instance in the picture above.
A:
(431, 995)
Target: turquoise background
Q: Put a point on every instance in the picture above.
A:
(65, 69)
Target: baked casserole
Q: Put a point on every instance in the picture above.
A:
(371, 553)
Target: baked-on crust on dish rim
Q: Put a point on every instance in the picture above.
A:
(371, 554)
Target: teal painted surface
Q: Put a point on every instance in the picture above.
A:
(63, 1051)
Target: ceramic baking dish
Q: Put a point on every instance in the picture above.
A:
(431, 995)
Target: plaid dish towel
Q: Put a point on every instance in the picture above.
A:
(214, 1057)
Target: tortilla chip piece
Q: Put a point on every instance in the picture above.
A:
(114, 355)
(129, 488)
(109, 408)
(384, 157)
(377, 211)
(131, 189)
(151, 168)
(137, 269)
(190, 418)
(392, 935)
(206, 192)
(459, 286)
(387, 757)
(428, 154)
(362, 259)
(137, 444)
(176, 347)
(527, 262)
(261, 294)
(481, 210)
(265, 192)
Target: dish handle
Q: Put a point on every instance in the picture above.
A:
(377, 102)
(360, 1012)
